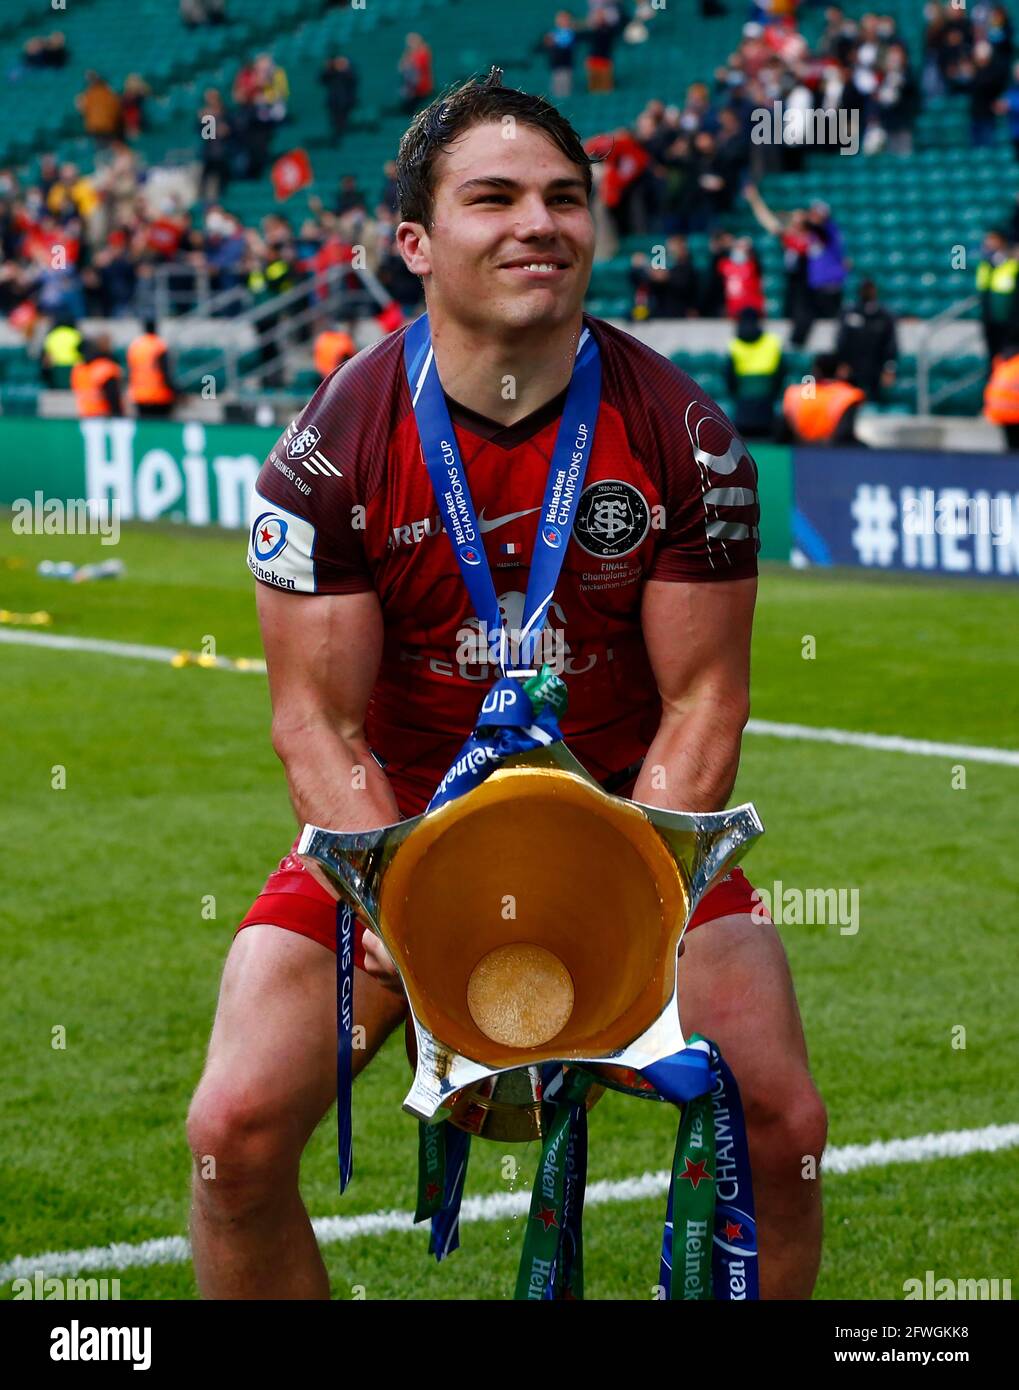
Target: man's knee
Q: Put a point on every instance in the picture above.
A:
(787, 1127)
(244, 1146)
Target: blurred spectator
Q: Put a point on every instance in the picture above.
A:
(415, 68)
(100, 108)
(826, 265)
(389, 196)
(754, 372)
(712, 185)
(741, 275)
(669, 291)
(401, 283)
(132, 103)
(621, 168)
(271, 90)
(560, 43)
(997, 277)
(72, 195)
(272, 275)
(95, 380)
(865, 342)
(47, 51)
(600, 35)
(214, 146)
(823, 410)
(947, 43)
(339, 77)
(985, 77)
(196, 12)
(897, 100)
(349, 196)
(333, 347)
(1001, 394)
(839, 35)
(720, 247)
(225, 249)
(111, 279)
(148, 373)
(61, 349)
(997, 30)
(1008, 107)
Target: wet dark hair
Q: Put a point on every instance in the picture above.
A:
(474, 102)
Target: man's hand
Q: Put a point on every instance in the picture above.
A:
(379, 964)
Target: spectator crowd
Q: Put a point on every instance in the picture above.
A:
(77, 243)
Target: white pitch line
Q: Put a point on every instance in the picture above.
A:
(106, 648)
(333, 1230)
(884, 743)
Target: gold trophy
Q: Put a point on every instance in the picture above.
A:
(535, 919)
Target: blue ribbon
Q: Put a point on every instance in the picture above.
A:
(344, 1039)
(445, 1233)
(568, 467)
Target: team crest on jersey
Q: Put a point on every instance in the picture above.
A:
(303, 443)
(268, 537)
(612, 519)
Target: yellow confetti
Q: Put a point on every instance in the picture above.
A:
(37, 619)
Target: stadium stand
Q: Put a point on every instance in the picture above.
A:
(897, 226)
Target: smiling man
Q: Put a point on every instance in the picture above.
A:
(364, 613)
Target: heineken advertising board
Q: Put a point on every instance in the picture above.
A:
(202, 474)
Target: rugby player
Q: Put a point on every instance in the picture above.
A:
(362, 609)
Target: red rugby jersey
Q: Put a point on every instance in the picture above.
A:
(344, 503)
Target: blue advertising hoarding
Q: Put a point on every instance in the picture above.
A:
(950, 514)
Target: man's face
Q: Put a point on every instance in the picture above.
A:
(504, 203)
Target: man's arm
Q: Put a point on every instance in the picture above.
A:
(697, 637)
(323, 653)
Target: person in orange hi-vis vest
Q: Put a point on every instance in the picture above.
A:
(148, 373)
(824, 413)
(95, 380)
(1001, 395)
(333, 347)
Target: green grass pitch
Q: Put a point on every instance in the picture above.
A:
(173, 793)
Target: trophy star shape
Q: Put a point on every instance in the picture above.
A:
(535, 919)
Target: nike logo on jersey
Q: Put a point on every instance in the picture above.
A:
(486, 524)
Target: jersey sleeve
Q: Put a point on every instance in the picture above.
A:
(307, 517)
(711, 526)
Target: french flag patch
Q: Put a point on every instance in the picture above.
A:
(509, 548)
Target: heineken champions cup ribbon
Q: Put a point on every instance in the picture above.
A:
(521, 1018)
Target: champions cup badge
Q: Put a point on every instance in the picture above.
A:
(268, 536)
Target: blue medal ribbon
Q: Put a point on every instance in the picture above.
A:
(574, 442)
(344, 1038)
(508, 721)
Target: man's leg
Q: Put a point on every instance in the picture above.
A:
(269, 1077)
(735, 988)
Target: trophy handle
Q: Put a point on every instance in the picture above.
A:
(350, 864)
(707, 844)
